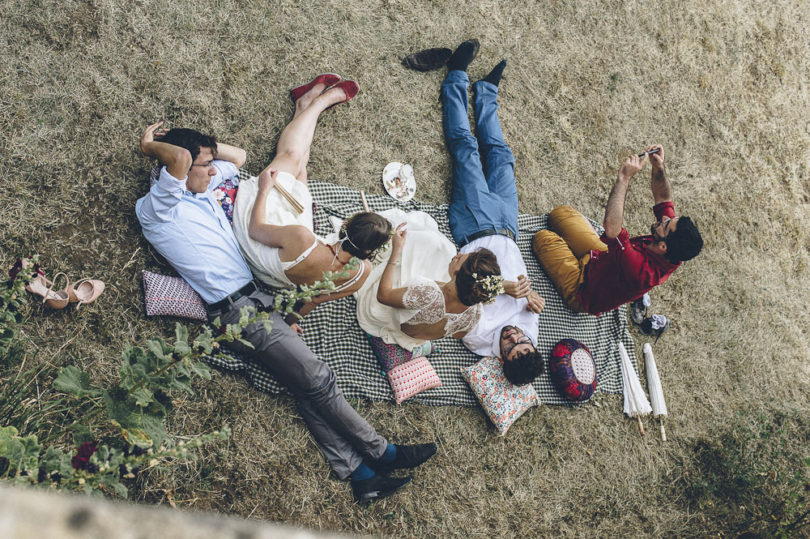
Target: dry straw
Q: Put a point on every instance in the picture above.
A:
(722, 85)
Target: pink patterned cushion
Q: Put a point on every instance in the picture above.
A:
(412, 377)
(503, 402)
(171, 296)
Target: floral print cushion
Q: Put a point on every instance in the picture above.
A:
(503, 402)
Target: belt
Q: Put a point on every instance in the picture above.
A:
(491, 232)
(242, 292)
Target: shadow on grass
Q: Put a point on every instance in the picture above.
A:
(754, 478)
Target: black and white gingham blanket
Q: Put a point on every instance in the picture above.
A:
(332, 332)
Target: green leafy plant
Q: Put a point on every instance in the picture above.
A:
(130, 416)
(12, 299)
(92, 468)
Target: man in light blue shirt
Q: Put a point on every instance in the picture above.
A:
(184, 223)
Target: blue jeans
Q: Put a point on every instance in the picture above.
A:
(484, 195)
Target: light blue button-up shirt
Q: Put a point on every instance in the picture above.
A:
(191, 231)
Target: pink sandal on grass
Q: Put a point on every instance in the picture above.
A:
(54, 299)
(85, 291)
(329, 79)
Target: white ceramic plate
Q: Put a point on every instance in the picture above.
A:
(399, 188)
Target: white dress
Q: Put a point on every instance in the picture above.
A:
(264, 260)
(426, 256)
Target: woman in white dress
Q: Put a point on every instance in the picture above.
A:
(425, 290)
(277, 242)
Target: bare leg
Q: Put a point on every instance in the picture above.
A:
(292, 151)
(303, 103)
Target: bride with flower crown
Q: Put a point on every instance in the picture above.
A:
(423, 289)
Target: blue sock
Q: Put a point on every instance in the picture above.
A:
(390, 453)
(362, 472)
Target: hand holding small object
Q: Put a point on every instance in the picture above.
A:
(398, 240)
(267, 179)
(535, 302)
(518, 289)
(650, 151)
(656, 153)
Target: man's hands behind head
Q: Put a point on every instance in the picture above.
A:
(149, 136)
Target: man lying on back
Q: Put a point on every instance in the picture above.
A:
(183, 221)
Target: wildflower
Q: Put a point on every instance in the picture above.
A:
(81, 460)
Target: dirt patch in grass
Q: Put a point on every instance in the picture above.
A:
(723, 86)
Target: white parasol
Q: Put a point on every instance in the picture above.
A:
(659, 406)
(635, 401)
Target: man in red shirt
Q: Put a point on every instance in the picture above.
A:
(594, 274)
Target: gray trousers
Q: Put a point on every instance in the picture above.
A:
(341, 433)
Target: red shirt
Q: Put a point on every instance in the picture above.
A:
(626, 271)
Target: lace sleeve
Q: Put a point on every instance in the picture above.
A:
(463, 322)
(426, 298)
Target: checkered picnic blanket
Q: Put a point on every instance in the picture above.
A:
(332, 332)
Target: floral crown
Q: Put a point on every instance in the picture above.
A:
(374, 256)
(492, 285)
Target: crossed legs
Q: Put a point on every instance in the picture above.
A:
(564, 251)
(340, 432)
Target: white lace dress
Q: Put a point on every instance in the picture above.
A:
(425, 297)
(425, 258)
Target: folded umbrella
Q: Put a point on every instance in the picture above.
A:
(635, 401)
(659, 406)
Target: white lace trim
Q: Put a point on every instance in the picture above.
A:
(425, 297)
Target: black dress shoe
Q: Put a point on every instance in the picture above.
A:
(408, 456)
(428, 59)
(378, 487)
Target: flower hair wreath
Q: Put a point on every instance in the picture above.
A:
(374, 256)
(491, 284)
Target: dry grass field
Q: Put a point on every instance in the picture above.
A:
(722, 85)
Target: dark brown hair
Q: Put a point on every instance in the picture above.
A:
(191, 140)
(684, 243)
(524, 368)
(367, 232)
(482, 263)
